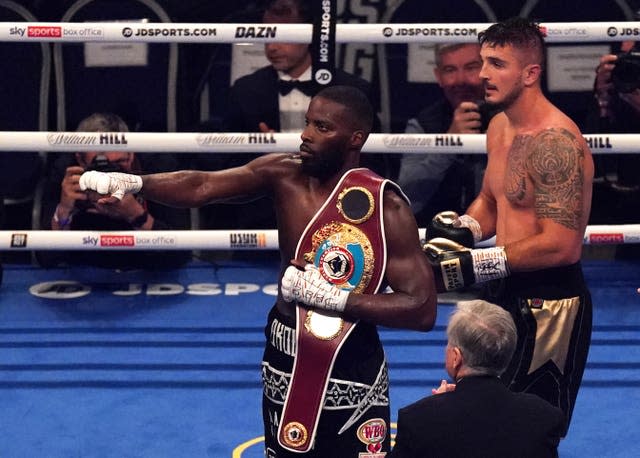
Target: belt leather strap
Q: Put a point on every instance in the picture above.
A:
(345, 240)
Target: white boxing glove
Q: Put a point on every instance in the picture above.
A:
(310, 288)
(116, 184)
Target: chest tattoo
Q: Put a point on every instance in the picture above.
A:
(515, 183)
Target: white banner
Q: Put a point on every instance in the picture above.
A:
(557, 32)
(249, 239)
(242, 142)
(140, 240)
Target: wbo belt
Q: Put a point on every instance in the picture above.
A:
(342, 241)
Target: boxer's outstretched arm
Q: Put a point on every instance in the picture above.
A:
(191, 188)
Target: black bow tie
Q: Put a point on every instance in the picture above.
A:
(306, 87)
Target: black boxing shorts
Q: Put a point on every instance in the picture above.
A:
(355, 419)
(553, 314)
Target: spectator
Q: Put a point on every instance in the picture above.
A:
(435, 182)
(274, 99)
(66, 207)
(477, 415)
(616, 109)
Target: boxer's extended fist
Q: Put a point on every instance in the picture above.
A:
(309, 287)
(114, 183)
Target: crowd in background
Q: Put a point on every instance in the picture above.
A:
(451, 180)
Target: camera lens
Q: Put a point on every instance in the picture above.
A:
(626, 73)
(102, 164)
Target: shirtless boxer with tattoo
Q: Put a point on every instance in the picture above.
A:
(535, 198)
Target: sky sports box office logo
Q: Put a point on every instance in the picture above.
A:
(42, 31)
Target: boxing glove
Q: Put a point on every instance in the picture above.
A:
(456, 266)
(462, 229)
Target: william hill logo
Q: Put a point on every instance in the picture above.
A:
(448, 140)
(113, 139)
(247, 240)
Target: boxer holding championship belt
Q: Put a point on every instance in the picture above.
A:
(359, 232)
(345, 250)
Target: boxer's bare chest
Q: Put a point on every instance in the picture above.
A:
(517, 185)
(509, 174)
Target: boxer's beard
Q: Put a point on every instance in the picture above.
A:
(508, 100)
(322, 167)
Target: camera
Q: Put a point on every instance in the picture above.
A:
(100, 163)
(625, 76)
(487, 111)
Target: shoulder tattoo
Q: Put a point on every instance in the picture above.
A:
(555, 163)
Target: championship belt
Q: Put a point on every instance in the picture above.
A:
(345, 240)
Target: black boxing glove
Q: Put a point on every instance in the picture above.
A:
(462, 229)
(456, 266)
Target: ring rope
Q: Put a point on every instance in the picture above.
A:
(246, 239)
(277, 142)
(151, 32)
(243, 142)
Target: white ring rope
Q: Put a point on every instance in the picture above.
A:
(173, 142)
(245, 239)
(278, 142)
(293, 33)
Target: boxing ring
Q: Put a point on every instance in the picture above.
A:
(95, 362)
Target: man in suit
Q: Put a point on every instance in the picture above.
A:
(274, 99)
(477, 416)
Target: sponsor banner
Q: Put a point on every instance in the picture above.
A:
(18, 240)
(168, 31)
(174, 142)
(258, 138)
(599, 142)
(114, 240)
(154, 32)
(247, 240)
(263, 31)
(421, 143)
(606, 239)
(143, 239)
(39, 31)
(84, 139)
(323, 42)
(411, 33)
(301, 33)
(66, 290)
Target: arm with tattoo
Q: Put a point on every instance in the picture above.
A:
(552, 163)
(555, 164)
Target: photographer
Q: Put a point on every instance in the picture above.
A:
(66, 207)
(442, 181)
(616, 109)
